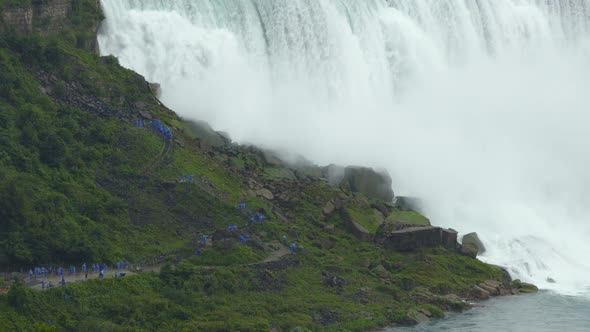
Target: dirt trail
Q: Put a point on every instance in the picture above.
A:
(35, 283)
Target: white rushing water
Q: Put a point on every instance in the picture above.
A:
(480, 107)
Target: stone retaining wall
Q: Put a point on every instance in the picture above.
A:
(42, 16)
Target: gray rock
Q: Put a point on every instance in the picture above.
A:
(469, 250)
(265, 193)
(417, 316)
(156, 89)
(270, 158)
(329, 208)
(479, 293)
(406, 203)
(205, 134)
(357, 229)
(494, 291)
(473, 238)
(368, 182)
(527, 288)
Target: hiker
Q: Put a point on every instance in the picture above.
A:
(284, 239)
(204, 240)
(63, 281)
(30, 273)
(43, 284)
(199, 251)
(50, 284)
(244, 238)
(293, 246)
(84, 268)
(86, 275)
(101, 274)
(242, 206)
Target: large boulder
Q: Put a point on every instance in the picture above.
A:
(366, 181)
(524, 287)
(479, 293)
(417, 316)
(265, 193)
(473, 238)
(469, 250)
(406, 203)
(329, 208)
(206, 135)
(356, 228)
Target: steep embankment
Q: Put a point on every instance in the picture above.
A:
(80, 182)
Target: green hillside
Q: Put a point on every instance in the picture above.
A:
(80, 182)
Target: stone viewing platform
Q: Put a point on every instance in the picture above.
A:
(413, 238)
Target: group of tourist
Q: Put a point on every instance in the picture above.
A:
(254, 217)
(44, 273)
(161, 129)
(187, 179)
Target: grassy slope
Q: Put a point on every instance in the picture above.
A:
(81, 187)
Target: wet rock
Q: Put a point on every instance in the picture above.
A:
(473, 238)
(205, 134)
(551, 280)
(417, 316)
(479, 293)
(406, 203)
(493, 291)
(469, 250)
(156, 89)
(527, 288)
(368, 182)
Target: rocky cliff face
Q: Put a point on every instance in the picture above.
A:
(43, 16)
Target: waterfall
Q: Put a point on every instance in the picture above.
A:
(479, 107)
